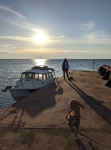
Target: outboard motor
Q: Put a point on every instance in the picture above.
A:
(7, 88)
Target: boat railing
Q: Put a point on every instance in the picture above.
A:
(13, 81)
(18, 81)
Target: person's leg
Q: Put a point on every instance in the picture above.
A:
(67, 74)
(64, 74)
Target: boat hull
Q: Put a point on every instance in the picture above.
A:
(19, 94)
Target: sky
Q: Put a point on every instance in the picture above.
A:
(55, 29)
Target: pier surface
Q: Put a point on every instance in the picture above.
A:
(38, 121)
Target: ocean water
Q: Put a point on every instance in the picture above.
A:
(14, 68)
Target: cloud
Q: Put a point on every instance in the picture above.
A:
(17, 19)
(88, 26)
(50, 53)
(97, 37)
(11, 11)
(91, 34)
(16, 38)
(85, 38)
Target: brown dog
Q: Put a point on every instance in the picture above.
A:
(74, 116)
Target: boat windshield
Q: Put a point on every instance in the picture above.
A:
(37, 76)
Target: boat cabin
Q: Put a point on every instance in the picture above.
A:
(36, 76)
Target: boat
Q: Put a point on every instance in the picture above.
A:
(30, 81)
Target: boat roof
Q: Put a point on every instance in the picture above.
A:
(34, 71)
(39, 69)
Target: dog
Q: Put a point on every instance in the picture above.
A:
(73, 117)
(71, 78)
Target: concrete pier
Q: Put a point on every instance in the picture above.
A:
(38, 121)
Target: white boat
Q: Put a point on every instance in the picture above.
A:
(30, 81)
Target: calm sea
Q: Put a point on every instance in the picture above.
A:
(14, 68)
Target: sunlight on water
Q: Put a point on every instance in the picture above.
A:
(40, 62)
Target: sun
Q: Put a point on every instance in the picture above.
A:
(41, 38)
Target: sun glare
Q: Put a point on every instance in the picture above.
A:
(40, 62)
(40, 38)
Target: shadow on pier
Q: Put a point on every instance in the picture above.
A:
(100, 109)
(35, 103)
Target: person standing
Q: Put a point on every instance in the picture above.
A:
(65, 68)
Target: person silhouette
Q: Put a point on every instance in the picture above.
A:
(65, 68)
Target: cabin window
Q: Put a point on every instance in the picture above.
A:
(40, 76)
(37, 76)
(44, 77)
(47, 76)
(30, 75)
(23, 76)
(50, 75)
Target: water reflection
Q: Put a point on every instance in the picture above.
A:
(39, 62)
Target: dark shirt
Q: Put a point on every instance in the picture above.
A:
(65, 65)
